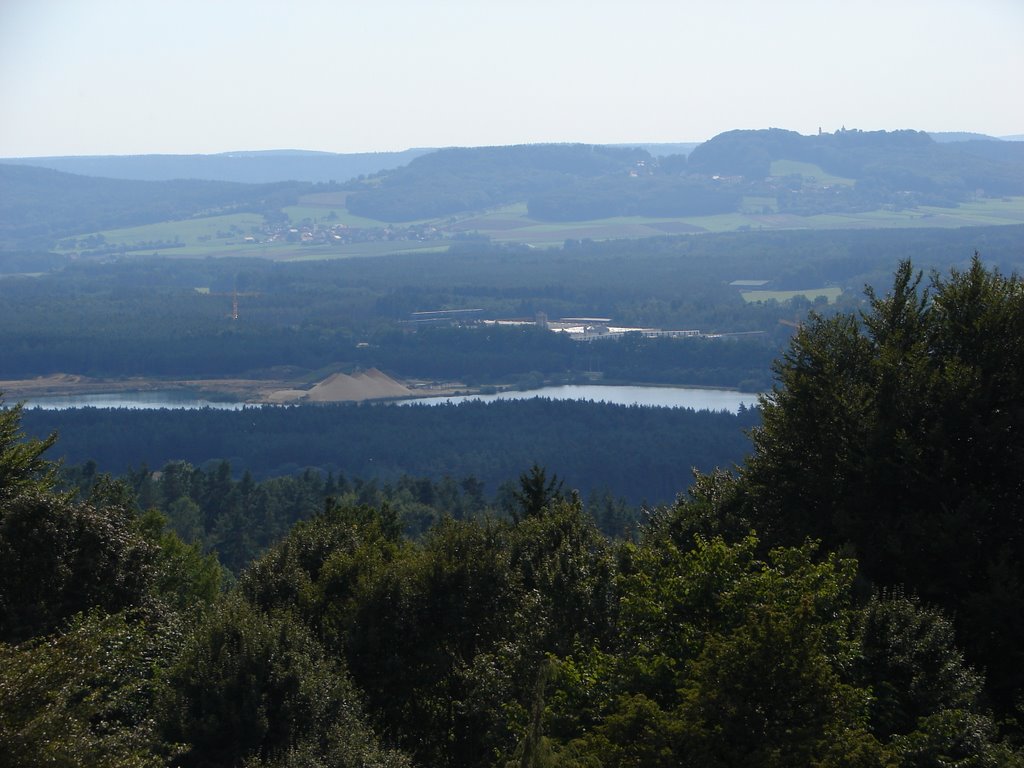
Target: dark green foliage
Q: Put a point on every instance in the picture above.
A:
(84, 697)
(954, 737)
(633, 452)
(536, 492)
(58, 558)
(23, 470)
(239, 519)
(911, 665)
(721, 659)
(253, 685)
(901, 435)
(709, 509)
(183, 576)
(445, 635)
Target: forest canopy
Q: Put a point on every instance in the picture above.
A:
(848, 597)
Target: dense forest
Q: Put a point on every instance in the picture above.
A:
(849, 596)
(240, 519)
(144, 316)
(637, 452)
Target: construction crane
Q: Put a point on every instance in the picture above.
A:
(235, 293)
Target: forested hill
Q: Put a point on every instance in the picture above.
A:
(755, 173)
(40, 205)
(459, 179)
(558, 182)
(891, 162)
(837, 172)
(244, 167)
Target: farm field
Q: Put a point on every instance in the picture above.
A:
(327, 208)
(511, 224)
(187, 231)
(831, 294)
(223, 235)
(808, 171)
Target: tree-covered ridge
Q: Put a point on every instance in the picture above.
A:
(257, 167)
(454, 180)
(736, 172)
(581, 182)
(538, 641)
(559, 182)
(886, 165)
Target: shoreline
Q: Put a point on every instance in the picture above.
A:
(286, 391)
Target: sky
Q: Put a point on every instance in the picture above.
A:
(81, 77)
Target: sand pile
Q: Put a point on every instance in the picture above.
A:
(365, 385)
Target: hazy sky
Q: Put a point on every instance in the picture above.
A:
(185, 76)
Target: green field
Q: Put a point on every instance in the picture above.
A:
(360, 250)
(188, 231)
(511, 224)
(224, 235)
(809, 171)
(327, 208)
(831, 294)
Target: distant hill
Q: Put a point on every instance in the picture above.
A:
(663, 149)
(460, 179)
(244, 167)
(572, 182)
(558, 182)
(946, 137)
(40, 205)
(903, 168)
(767, 176)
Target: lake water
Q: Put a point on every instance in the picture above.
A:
(662, 397)
(134, 400)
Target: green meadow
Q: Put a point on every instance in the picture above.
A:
(188, 231)
(809, 171)
(224, 235)
(831, 294)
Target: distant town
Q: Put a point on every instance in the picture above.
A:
(586, 329)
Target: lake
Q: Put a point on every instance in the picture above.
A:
(135, 400)
(661, 397)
